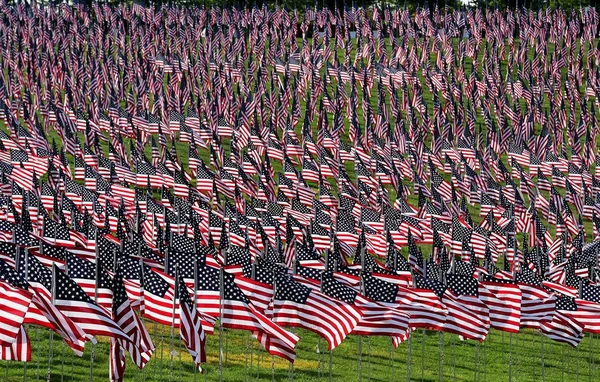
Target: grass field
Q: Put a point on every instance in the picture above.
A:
(429, 356)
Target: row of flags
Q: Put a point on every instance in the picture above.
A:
(349, 173)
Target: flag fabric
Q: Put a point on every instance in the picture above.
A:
(74, 303)
(295, 304)
(503, 298)
(140, 346)
(190, 328)
(14, 302)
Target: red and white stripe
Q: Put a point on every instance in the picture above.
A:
(329, 318)
(14, 303)
(424, 308)
(242, 316)
(191, 333)
(467, 316)
(504, 303)
(562, 328)
(19, 350)
(536, 305)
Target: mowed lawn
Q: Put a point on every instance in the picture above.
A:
(428, 356)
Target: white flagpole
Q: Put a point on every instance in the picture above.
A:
(542, 356)
(591, 356)
(423, 335)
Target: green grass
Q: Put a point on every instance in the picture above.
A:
(427, 353)
(429, 356)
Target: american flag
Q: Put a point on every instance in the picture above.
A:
(190, 328)
(14, 303)
(19, 350)
(158, 298)
(503, 298)
(468, 316)
(74, 303)
(42, 310)
(92, 278)
(295, 304)
(559, 326)
(377, 319)
(140, 345)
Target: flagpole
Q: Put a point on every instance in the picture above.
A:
(221, 308)
(454, 356)
(441, 356)
(173, 352)
(250, 347)
(246, 364)
(62, 343)
(542, 356)
(360, 344)
(51, 341)
(591, 356)
(510, 357)
(196, 306)
(369, 359)
(319, 357)
(26, 278)
(274, 291)
(408, 357)
(92, 355)
(141, 310)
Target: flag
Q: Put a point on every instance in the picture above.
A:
(238, 312)
(19, 350)
(14, 304)
(42, 311)
(503, 298)
(295, 304)
(190, 325)
(140, 345)
(468, 316)
(71, 300)
(377, 319)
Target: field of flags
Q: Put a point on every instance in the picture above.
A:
(348, 172)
